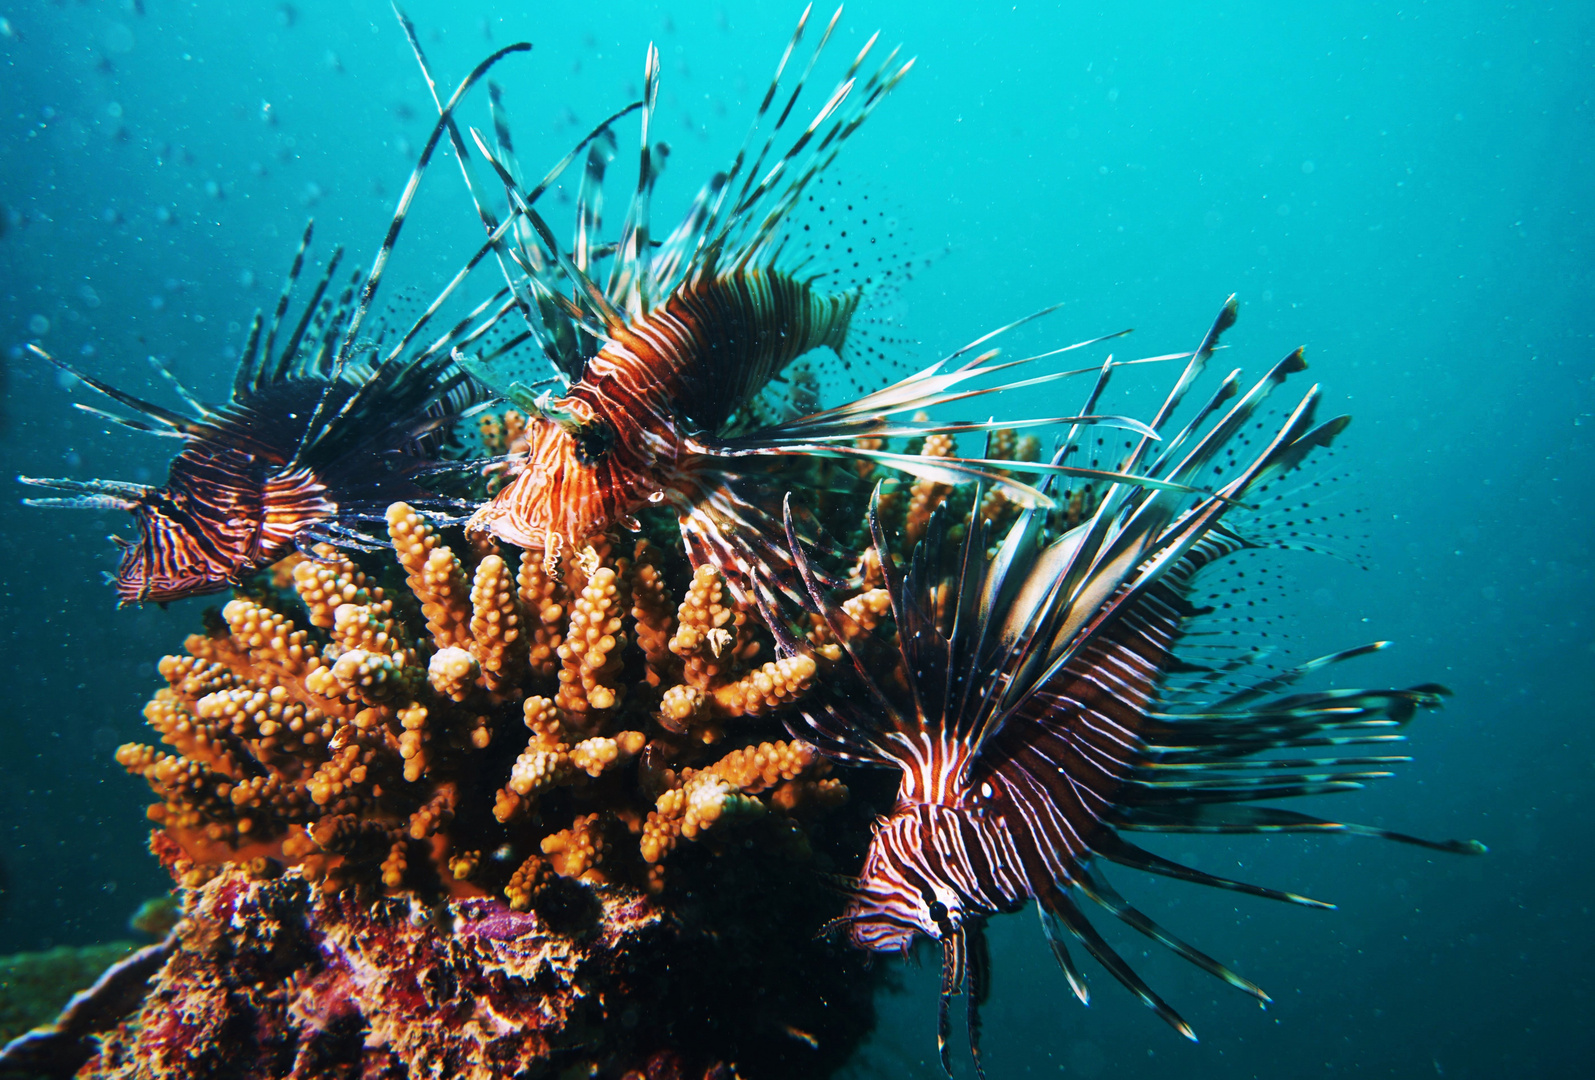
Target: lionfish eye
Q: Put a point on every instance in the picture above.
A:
(937, 909)
(593, 441)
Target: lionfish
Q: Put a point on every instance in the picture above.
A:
(317, 436)
(1040, 703)
(660, 364)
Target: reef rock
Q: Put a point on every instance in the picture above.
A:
(283, 977)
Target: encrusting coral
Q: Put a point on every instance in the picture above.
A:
(286, 977)
(54, 1004)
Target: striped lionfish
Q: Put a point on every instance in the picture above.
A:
(316, 437)
(661, 361)
(1036, 711)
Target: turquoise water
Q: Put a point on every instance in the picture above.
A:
(1404, 188)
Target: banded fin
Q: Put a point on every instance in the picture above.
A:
(1117, 849)
(671, 257)
(953, 968)
(933, 387)
(1050, 928)
(166, 418)
(832, 433)
(629, 284)
(200, 408)
(492, 244)
(1108, 897)
(444, 123)
(588, 289)
(1295, 674)
(1041, 709)
(590, 203)
(261, 361)
(1227, 820)
(290, 351)
(489, 218)
(503, 134)
(1058, 906)
(247, 371)
(758, 117)
(91, 494)
(129, 423)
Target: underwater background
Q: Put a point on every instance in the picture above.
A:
(1406, 188)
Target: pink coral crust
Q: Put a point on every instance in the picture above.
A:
(281, 978)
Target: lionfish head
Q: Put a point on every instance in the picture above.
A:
(565, 490)
(167, 561)
(902, 893)
(183, 546)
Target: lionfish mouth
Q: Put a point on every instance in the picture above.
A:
(882, 933)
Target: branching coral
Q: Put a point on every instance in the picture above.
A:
(369, 734)
(714, 659)
(926, 495)
(702, 797)
(906, 506)
(369, 730)
(424, 805)
(501, 434)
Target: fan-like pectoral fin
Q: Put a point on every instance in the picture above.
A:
(1053, 928)
(1116, 848)
(1077, 924)
(1108, 897)
(1231, 819)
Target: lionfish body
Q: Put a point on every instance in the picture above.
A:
(659, 366)
(662, 359)
(1042, 708)
(632, 429)
(304, 449)
(314, 440)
